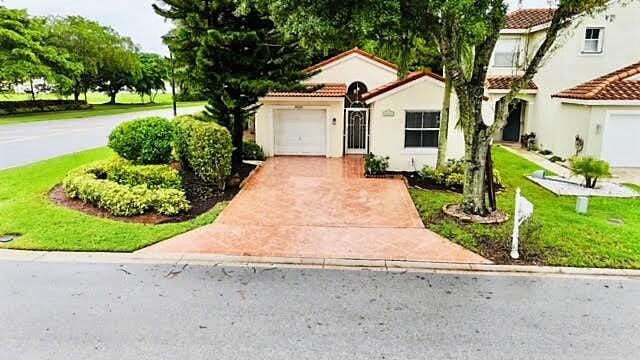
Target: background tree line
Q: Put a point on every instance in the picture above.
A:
(75, 55)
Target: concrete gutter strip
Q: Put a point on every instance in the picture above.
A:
(319, 263)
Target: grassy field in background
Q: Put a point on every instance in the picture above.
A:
(26, 209)
(608, 236)
(93, 98)
(127, 102)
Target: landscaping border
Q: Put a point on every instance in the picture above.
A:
(301, 262)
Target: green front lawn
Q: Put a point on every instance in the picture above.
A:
(97, 110)
(556, 235)
(26, 209)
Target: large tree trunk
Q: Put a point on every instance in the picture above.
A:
(237, 135)
(33, 90)
(112, 96)
(477, 141)
(444, 124)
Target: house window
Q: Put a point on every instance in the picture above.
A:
(506, 53)
(593, 40)
(421, 129)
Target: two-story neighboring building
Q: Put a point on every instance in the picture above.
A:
(588, 86)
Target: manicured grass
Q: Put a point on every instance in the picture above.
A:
(127, 102)
(556, 235)
(26, 209)
(92, 97)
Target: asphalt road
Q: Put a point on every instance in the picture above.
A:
(21, 144)
(105, 311)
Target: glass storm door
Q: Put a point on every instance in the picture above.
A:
(357, 130)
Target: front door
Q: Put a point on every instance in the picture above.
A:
(357, 130)
(511, 131)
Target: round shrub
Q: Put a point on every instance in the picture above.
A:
(205, 148)
(143, 141)
(252, 151)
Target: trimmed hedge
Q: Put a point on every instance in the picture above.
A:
(204, 147)
(452, 174)
(123, 172)
(252, 151)
(28, 106)
(143, 141)
(144, 187)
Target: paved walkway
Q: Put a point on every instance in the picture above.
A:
(620, 175)
(320, 208)
(21, 144)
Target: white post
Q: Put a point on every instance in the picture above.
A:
(516, 227)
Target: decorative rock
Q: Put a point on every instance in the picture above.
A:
(569, 187)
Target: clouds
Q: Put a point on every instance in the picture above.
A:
(133, 18)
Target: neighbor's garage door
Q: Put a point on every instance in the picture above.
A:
(620, 145)
(300, 132)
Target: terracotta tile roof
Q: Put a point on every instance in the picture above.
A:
(347, 53)
(505, 83)
(315, 90)
(394, 84)
(528, 18)
(622, 84)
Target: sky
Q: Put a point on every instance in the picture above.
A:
(133, 18)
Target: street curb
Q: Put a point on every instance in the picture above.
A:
(305, 262)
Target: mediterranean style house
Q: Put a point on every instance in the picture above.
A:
(588, 86)
(356, 105)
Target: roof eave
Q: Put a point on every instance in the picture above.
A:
(533, 29)
(594, 102)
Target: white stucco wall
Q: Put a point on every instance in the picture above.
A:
(334, 109)
(556, 124)
(355, 68)
(387, 132)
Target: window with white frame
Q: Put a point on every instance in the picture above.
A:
(506, 53)
(422, 129)
(593, 37)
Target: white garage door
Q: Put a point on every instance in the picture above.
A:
(620, 145)
(300, 132)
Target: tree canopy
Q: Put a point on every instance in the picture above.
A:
(236, 53)
(75, 55)
(24, 55)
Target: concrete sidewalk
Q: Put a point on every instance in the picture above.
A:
(302, 262)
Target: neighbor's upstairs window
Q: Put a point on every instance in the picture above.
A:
(593, 40)
(421, 129)
(506, 53)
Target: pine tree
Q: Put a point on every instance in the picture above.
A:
(235, 51)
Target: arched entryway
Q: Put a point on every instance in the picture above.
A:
(356, 119)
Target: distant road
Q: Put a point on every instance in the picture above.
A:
(21, 144)
(107, 311)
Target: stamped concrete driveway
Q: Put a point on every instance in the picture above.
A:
(320, 208)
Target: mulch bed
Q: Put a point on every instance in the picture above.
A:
(494, 217)
(415, 180)
(201, 195)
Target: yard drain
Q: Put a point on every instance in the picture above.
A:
(8, 237)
